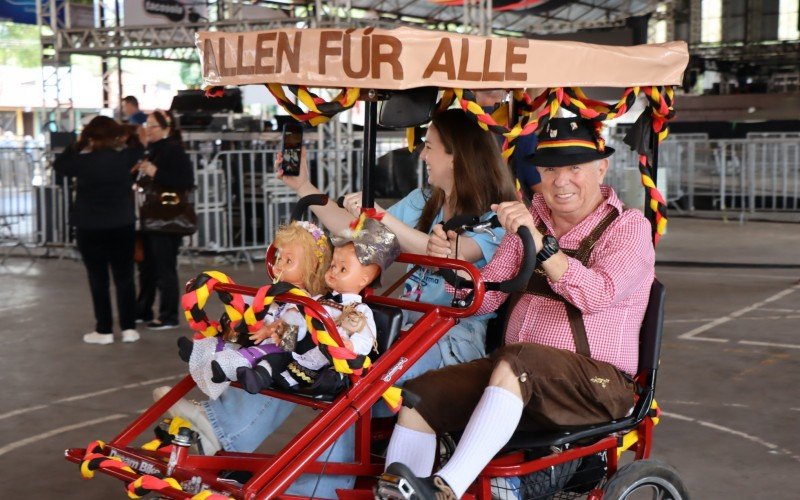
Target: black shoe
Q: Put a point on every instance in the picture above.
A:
(157, 324)
(254, 379)
(399, 480)
(217, 373)
(185, 346)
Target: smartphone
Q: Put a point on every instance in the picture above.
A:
(291, 142)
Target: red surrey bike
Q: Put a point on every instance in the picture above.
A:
(568, 463)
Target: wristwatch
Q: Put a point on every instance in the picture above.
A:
(549, 248)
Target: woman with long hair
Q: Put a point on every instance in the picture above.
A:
(466, 175)
(167, 164)
(104, 219)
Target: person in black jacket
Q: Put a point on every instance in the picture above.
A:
(169, 165)
(103, 216)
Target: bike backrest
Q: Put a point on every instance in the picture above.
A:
(388, 321)
(652, 328)
(649, 351)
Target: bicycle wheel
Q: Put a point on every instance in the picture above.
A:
(645, 479)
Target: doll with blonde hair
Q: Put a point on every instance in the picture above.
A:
(302, 258)
(358, 259)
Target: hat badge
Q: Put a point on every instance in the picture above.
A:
(553, 133)
(573, 125)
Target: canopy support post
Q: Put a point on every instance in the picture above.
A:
(649, 213)
(370, 138)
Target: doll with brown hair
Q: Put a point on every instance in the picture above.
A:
(357, 262)
(302, 258)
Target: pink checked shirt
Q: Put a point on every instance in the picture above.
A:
(612, 292)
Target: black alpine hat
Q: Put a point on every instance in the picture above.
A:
(568, 141)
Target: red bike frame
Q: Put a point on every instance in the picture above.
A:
(273, 474)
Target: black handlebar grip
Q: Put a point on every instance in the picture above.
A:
(515, 284)
(520, 281)
(308, 201)
(457, 221)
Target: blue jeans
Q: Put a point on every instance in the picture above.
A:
(243, 421)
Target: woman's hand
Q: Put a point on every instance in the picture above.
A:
(293, 181)
(441, 244)
(147, 168)
(352, 203)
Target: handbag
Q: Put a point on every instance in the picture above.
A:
(165, 210)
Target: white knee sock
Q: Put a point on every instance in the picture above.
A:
(489, 428)
(413, 448)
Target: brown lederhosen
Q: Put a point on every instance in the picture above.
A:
(559, 387)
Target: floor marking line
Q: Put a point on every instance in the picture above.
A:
(29, 409)
(730, 317)
(755, 439)
(21, 411)
(747, 318)
(39, 437)
(732, 275)
(114, 389)
(769, 344)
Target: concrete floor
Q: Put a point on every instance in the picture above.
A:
(728, 383)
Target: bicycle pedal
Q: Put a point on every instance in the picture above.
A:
(391, 487)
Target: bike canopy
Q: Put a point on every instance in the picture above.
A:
(405, 58)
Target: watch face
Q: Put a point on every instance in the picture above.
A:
(551, 243)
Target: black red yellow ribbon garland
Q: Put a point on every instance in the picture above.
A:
(94, 460)
(194, 301)
(319, 110)
(571, 98)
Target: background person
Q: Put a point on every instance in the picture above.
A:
(167, 164)
(521, 166)
(103, 215)
(130, 108)
(466, 174)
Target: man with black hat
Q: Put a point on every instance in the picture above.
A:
(571, 337)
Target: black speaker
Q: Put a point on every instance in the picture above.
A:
(195, 101)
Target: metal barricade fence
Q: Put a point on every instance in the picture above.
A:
(240, 203)
(20, 173)
(753, 175)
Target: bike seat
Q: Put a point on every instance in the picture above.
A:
(388, 320)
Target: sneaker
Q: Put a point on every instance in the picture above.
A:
(194, 413)
(156, 324)
(98, 338)
(143, 320)
(399, 480)
(130, 335)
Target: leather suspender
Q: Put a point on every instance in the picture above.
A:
(538, 283)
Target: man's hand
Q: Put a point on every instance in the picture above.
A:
(513, 215)
(293, 181)
(266, 331)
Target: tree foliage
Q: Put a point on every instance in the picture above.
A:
(19, 45)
